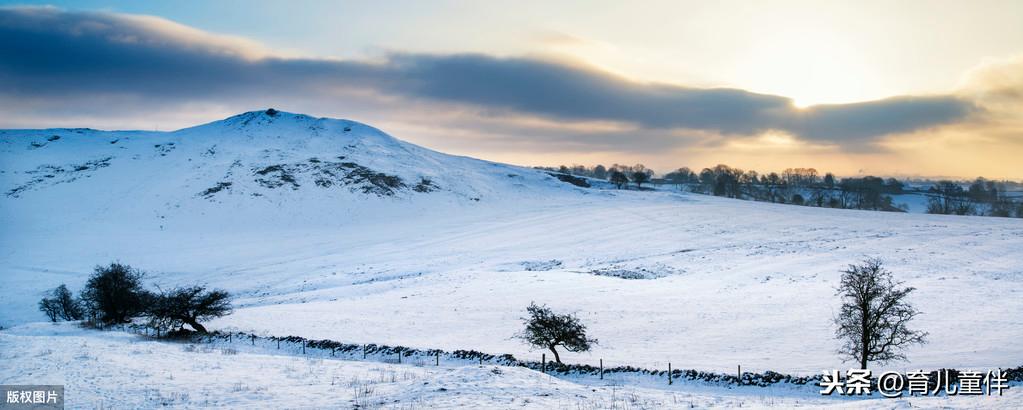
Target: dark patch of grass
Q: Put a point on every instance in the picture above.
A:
(571, 179)
(214, 189)
(425, 185)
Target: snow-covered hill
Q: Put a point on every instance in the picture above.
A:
(266, 167)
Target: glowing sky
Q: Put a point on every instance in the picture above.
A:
(911, 88)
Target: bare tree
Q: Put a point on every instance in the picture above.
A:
(61, 305)
(548, 330)
(872, 323)
(680, 176)
(948, 197)
(639, 178)
(619, 179)
(188, 305)
(50, 308)
(115, 293)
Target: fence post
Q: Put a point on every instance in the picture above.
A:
(303, 346)
(438, 358)
(278, 343)
(229, 337)
(399, 356)
(481, 359)
(253, 340)
(739, 371)
(543, 363)
(332, 352)
(601, 369)
(669, 373)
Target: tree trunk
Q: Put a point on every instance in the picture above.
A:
(556, 357)
(195, 325)
(865, 334)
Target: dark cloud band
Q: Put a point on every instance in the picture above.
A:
(47, 53)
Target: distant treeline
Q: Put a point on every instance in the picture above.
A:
(805, 186)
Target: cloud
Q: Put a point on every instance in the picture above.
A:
(997, 85)
(53, 57)
(873, 119)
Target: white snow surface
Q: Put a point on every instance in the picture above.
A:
(122, 370)
(723, 282)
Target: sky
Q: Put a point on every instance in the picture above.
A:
(908, 88)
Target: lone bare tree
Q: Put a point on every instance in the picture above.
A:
(872, 322)
(188, 305)
(548, 330)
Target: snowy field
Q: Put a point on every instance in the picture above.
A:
(120, 370)
(744, 283)
(702, 282)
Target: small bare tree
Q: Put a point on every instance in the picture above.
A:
(188, 306)
(873, 319)
(619, 179)
(50, 308)
(640, 177)
(61, 305)
(548, 330)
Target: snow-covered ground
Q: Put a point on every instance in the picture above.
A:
(308, 251)
(122, 370)
(915, 202)
(745, 283)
